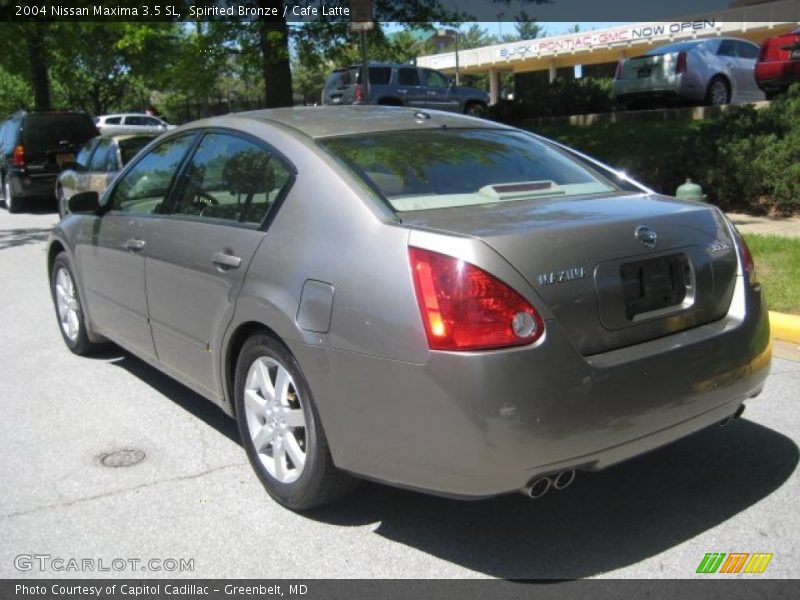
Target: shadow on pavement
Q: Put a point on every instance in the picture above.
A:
(194, 403)
(10, 238)
(604, 521)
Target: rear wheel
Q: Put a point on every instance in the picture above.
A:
(772, 94)
(12, 203)
(280, 428)
(719, 92)
(69, 312)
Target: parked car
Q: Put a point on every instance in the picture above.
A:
(33, 148)
(403, 85)
(714, 71)
(430, 300)
(778, 64)
(96, 165)
(131, 123)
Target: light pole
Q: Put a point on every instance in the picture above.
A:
(455, 33)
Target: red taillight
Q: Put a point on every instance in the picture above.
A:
(465, 308)
(680, 64)
(748, 263)
(618, 72)
(18, 157)
(358, 93)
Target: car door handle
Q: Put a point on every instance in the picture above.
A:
(431, 93)
(227, 261)
(134, 245)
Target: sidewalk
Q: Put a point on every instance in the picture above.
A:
(789, 227)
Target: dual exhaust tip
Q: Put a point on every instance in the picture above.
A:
(540, 486)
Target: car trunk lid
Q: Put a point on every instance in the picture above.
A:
(614, 270)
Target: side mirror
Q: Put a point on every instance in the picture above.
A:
(84, 202)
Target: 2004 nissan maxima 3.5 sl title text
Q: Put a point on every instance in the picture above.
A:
(421, 298)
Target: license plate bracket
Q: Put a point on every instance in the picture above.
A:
(654, 284)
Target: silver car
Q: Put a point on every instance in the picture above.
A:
(421, 298)
(96, 165)
(714, 71)
(131, 123)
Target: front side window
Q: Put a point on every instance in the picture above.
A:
(143, 189)
(437, 168)
(230, 179)
(434, 79)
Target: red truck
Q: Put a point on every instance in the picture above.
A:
(778, 65)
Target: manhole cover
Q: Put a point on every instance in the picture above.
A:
(121, 458)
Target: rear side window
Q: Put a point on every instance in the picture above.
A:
(86, 153)
(47, 132)
(143, 189)
(746, 50)
(103, 157)
(380, 75)
(672, 48)
(129, 147)
(406, 76)
(113, 120)
(230, 179)
(435, 168)
(338, 79)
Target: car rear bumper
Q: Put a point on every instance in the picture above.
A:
(481, 424)
(29, 185)
(776, 76)
(675, 86)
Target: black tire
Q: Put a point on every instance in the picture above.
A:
(80, 343)
(319, 482)
(475, 109)
(62, 211)
(772, 94)
(12, 202)
(714, 93)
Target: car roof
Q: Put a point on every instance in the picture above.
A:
(329, 121)
(125, 115)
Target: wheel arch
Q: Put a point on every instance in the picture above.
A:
(237, 339)
(56, 248)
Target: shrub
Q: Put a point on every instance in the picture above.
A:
(560, 98)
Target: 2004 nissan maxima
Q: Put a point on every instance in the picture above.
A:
(420, 298)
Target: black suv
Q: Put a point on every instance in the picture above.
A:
(33, 147)
(403, 85)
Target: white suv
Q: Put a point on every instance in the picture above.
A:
(130, 123)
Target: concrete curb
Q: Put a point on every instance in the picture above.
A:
(785, 327)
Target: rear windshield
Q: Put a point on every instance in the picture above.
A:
(130, 146)
(442, 168)
(672, 48)
(46, 132)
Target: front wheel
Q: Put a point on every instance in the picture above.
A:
(280, 428)
(69, 312)
(475, 109)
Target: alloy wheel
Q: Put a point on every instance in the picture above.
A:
(67, 305)
(719, 93)
(275, 419)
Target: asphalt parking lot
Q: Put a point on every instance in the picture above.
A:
(193, 496)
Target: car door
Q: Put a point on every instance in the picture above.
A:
(409, 87)
(198, 254)
(111, 248)
(747, 55)
(438, 91)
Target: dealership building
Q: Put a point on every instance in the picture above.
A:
(597, 52)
